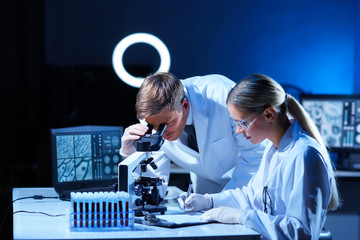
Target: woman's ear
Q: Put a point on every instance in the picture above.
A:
(270, 114)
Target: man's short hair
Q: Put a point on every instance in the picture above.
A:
(158, 92)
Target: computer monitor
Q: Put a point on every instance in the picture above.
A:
(338, 119)
(85, 158)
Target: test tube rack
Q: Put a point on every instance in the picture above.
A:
(100, 211)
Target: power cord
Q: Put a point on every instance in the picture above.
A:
(44, 213)
(36, 197)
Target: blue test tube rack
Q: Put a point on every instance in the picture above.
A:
(100, 211)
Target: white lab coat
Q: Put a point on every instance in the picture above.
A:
(299, 183)
(225, 159)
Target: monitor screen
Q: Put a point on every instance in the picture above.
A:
(85, 158)
(337, 118)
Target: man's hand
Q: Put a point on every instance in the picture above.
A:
(131, 133)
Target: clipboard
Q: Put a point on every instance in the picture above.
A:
(173, 220)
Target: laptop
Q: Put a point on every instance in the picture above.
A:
(85, 158)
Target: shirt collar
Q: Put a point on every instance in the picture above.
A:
(190, 118)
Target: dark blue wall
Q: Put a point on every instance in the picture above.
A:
(307, 43)
(357, 55)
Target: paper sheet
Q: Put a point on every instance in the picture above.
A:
(174, 220)
(193, 217)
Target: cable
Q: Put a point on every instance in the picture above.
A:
(36, 197)
(44, 213)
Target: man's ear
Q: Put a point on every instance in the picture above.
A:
(185, 103)
(270, 114)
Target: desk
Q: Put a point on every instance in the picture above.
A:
(349, 174)
(38, 226)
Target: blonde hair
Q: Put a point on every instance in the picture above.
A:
(157, 92)
(257, 92)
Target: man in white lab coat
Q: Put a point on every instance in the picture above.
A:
(222, 159)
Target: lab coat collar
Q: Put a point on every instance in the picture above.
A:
(289, 138)
(190, 119)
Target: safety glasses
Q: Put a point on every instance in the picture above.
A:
(243, 123)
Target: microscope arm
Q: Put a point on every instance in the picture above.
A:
(126, 168)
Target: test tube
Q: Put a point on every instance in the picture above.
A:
(126, 209)
(91, 208)
(117, 209)
(74, 210)
(103, 208)
(121, 209)
(81, 209)
(86, 209)
(109, 203)
(98, 209)
(114, 209)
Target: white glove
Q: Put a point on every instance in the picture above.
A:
(181, 200)
(225, 215)
(131, 133)
(195, 202)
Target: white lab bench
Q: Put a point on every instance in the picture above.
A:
(39, 226)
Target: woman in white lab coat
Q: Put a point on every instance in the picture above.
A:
(289, 196)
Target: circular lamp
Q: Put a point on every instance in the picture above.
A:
(117, 58)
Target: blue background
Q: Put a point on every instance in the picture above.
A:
(309, 44)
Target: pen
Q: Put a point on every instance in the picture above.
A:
(189, 190)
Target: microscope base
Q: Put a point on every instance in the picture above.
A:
(149, 208)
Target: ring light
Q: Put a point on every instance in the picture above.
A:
(117, 58)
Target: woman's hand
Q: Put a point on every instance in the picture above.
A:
(195, 202)
(225, 215)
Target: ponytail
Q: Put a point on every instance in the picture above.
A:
(299, 113)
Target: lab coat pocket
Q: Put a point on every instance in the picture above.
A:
(270, 199)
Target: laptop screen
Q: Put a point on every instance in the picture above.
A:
(85, 158)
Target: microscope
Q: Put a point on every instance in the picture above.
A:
(144, 190)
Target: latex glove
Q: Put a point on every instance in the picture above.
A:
(181, 200)
(225, 215)
(195, 202)
(131, 133)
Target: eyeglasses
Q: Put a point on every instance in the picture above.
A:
(243, 123)
(265, 197)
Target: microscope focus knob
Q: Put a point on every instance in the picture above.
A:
(139, 190)
(139, 202)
